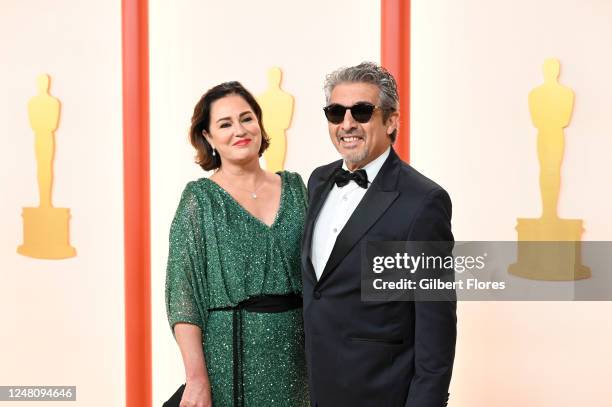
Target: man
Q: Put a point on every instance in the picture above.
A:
(371, 353)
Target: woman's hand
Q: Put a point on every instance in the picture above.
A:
(196, 394)
(197, 387)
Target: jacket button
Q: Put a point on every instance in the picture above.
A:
(316, 295)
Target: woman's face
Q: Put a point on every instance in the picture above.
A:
(234, 130)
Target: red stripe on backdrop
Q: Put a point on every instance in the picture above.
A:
(135, 53)
(395, 56)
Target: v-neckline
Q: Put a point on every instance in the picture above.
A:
(249, 214)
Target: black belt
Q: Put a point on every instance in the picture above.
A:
(261, 304)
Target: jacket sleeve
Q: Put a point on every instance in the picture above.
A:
(435, 321)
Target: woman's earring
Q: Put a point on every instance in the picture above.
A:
(214, 152)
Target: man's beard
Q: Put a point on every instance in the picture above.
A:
(355, 157)
(351, 157)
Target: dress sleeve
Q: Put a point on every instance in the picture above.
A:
(301, 187)
(186, 289)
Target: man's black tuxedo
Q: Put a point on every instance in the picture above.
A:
(377, 353)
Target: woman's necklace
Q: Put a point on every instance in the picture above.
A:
(252, 193)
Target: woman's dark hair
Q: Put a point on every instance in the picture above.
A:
(201, 121)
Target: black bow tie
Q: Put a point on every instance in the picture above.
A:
(343, 177)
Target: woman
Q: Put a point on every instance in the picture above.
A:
(233, 283)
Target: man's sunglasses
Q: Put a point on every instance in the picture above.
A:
(361, 112)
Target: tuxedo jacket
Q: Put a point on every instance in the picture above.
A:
(377, 353)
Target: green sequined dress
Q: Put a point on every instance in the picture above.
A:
(221, 255)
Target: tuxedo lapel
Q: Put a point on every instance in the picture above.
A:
(380, 195)
(321, 191)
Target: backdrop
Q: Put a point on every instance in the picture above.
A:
(473, 64)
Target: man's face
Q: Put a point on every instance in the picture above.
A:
(360, 143)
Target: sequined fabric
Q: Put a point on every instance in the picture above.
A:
(221, 255)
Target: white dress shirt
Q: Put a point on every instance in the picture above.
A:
(335, 213)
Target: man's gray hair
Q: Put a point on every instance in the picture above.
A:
(368, 72)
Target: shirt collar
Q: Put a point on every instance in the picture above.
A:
(373, 167)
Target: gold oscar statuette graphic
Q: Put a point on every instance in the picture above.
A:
(45, 228)
(549, 248)
(277, 106)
